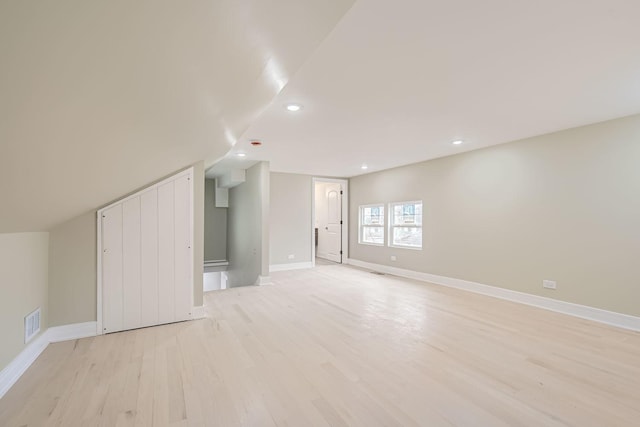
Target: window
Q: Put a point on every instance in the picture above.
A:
(371, 225)
(405, 227)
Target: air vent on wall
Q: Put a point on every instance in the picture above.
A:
(31, 325)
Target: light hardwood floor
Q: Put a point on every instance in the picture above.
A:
(340, 346)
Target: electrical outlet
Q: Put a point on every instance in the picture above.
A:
(393, 258)
(549, 284)
(292, 256)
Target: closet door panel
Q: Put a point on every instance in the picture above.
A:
(166, 253)
(112, 269)
(149, 257)
(132, 297)
(146, 255)
(183, 268)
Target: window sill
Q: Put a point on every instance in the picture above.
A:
(371, 244)
(413, 248)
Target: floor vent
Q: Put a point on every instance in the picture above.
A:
(377, 273)
(31, 325)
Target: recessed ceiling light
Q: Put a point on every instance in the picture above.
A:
(364, 167)
(241, 155)
(293, 107)
(457, 142)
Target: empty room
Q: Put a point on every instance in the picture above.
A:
(319, 213)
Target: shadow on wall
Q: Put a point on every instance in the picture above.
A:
(236, 237)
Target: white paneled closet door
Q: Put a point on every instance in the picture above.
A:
(149, 257)
(183, 264)
(131, 255)
(112, 268)
(146, 256)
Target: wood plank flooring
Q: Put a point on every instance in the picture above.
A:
(338, 346)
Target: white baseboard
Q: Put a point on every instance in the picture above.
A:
(263, 280)
(212, 281)
(198, 312)
(14, 370)
(18, 366)
(620, 320)
(292, 266)
(72, 332)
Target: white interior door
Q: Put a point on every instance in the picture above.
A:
(329, 218)
(147, 259)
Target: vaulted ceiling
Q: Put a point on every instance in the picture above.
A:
(396, 82)
(100, 98)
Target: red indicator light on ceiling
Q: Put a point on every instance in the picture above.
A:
(256, 143)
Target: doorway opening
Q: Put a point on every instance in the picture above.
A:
(330, 221)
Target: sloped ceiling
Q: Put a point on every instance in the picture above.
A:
(396, 82)
(100, 98)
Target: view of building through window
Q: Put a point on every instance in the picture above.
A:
(406, 225)
(372, 224)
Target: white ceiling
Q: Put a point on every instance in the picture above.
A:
(395, 82)
(100, 98)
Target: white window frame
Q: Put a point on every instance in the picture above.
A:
(362, 226)
(392, 225)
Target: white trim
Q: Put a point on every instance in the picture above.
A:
(189, 172)
(361, 225)
(72, 332)
(620, 320)
(345, 216)
(263, 280)
(14, 370)
(99, 329)
(198, 312)
(391, 225)
(186, 172)
(18, 366)
(292, 266)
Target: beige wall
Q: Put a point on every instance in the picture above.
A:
(248, 228)
(290, 218)
(23, 288)
(198, 231)
(265, 208)
(564, 206)
(215, 225)
(72, 271)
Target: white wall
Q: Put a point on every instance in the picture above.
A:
(248, 228)
(290, 218)
(563, 206)
(23, 288)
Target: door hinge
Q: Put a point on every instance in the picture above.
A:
(341, 192)
(340, 222)
(340, 252)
